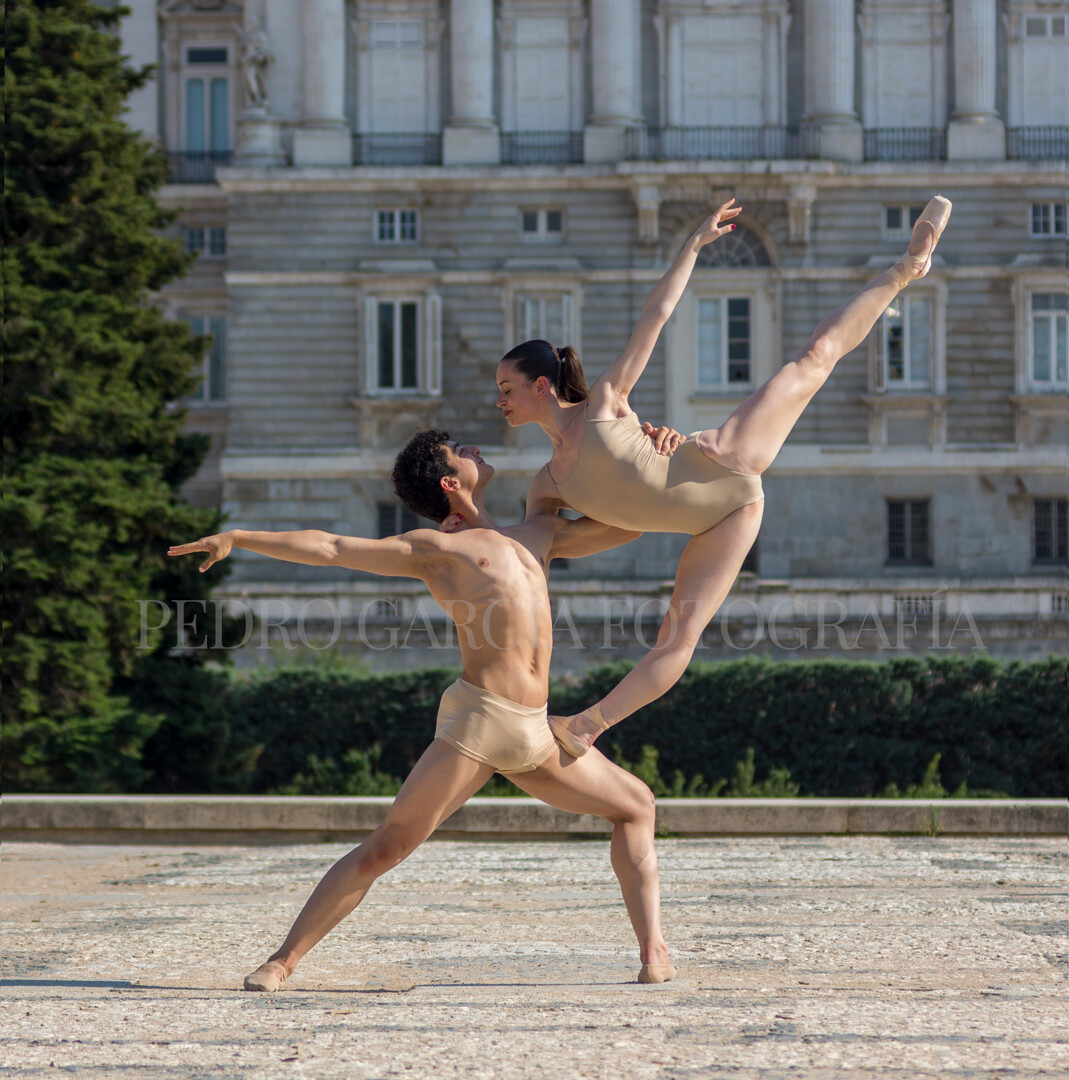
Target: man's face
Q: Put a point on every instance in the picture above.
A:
(469, 469)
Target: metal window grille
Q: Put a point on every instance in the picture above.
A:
(908, 539)
(1049, 521)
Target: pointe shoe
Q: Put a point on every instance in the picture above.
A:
(569, 741)
(917, 260)
(267, 980)
(656, 973)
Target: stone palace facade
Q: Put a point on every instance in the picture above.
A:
(386, 195)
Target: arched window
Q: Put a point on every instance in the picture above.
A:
(740, 248)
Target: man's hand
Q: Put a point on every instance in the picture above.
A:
(666, 440)
(218, 547)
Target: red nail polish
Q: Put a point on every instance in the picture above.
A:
(733, 226)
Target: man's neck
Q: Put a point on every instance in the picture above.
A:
(468, 514)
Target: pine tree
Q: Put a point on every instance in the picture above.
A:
(94, 451)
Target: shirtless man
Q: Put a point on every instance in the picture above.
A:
(493, 581)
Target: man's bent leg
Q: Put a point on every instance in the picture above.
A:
(442, 781)
(594, 785)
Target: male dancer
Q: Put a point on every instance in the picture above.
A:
(493, 582)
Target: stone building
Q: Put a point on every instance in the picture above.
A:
(386, 195)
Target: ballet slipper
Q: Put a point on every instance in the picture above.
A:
(917, 260)
(656, 973)
(267, 980)
(569, 741)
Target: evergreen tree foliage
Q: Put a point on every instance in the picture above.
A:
(94, 451)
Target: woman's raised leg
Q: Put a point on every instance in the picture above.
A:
(749, 440)
(594, 785)
(708, 568)
(442, 781)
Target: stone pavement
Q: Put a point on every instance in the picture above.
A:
(817, 957)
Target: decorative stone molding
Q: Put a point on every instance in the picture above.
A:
(648, 204)
(885, 409)
(380, 419)
(800, 201)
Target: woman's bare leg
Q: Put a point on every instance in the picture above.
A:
(594, 785)
(752, 436)
(442, 781)
(707, 570)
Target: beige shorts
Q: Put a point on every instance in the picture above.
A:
(510, 738)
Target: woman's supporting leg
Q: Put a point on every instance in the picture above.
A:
(594, 785)
(752, 436)
(710, 563)
(442, 781)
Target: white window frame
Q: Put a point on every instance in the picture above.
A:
(907, 384)
(542, 234)
(909, 214)
(428, 344)
(723, 387)
(1055, 215)
(208, 72)
(208, 392)
(209, 236)
(1018, 41)
(1054, 384)
(1055, 26)
(394, 215)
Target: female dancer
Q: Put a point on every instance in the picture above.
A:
(605, 467)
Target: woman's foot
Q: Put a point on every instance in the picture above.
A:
(267, 977)
(576, 734)
(929, 227)
(656, 973)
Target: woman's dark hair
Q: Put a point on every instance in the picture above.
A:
(418, 472)
(561, 366)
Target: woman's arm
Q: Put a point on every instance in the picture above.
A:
(395, 556)
(622, 374)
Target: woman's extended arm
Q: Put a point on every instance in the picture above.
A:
(622, 374)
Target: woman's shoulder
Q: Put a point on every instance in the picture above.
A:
(604, 403)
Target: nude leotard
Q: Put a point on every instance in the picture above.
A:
(510, 737)
(620, 479)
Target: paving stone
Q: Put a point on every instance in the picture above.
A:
(805, 958)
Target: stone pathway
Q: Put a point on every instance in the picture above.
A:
(841, 957)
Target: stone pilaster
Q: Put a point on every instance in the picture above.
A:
(615, 56)
(324, 136)
(976, 131)
(471, 137)
(829, 78)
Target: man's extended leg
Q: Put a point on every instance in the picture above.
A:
(594, 785)
(442, 780)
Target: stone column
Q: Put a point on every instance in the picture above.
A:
(324, 136)
(975, 130)
(829, 78)
(615, 30)
(471, 136)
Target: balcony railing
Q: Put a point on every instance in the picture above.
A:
(397, 148)
(196, 166)
(704, 143)
(1037, 143)
(905, 144)
(541, 147)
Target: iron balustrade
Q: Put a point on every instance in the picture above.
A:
(1037, 143)
(196, 166)
(541, 147)
(905, 144)
(704, 143)
(397, 148)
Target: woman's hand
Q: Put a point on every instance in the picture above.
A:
(666, 440)
(712, 228)
(218, 547)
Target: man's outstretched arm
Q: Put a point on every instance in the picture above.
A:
(396, 556)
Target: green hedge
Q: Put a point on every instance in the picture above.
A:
(837, 728)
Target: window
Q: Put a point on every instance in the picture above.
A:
(402, 343)
(906, 344)
(395, 519)
(898, 221)
(1042, 26)
(1047, 219)
(542, 96)
(1049, 530)
(1038, 74)
(1047, 340)
(732, 91)
(209, 242)
(212, 385)
(397, 227)
(541, 225)
(724, 336)
(398, 75)
(908, 542)
(546, 316)
(207, 99)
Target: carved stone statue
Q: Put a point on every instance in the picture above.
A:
(255, 56)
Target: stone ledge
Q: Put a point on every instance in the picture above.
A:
(257, 819)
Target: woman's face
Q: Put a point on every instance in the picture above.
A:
(517, 398)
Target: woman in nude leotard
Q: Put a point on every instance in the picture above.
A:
(604, 467)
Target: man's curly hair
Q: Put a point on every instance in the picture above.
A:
(417, 474)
